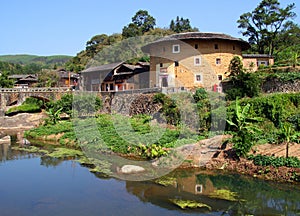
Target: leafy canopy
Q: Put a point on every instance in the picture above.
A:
(264, 23)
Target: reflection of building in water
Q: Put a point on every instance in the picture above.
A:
(192, 185)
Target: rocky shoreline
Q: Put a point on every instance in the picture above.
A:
(20, 122)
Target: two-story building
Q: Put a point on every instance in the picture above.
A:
(193, 59)
(117, 76)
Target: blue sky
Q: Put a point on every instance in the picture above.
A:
(63, 26)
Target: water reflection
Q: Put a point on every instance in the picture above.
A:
(255, 197)
(72, 182)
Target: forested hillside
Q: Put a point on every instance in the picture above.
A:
(29, 59)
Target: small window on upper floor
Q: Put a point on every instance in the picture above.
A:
(196, 46)
(216, 46)
(161, 65)
(233, 47)
(176, 48)
(218, 61)
(197, 61)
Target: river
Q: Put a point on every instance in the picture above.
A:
(35, 185)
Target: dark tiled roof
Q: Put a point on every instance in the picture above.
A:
(257, 56)
(106, 67)
(198, 36)
(23, 76)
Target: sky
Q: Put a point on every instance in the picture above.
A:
(62, 27)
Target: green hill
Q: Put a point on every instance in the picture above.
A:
(29, 59)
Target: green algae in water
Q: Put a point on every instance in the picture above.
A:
(30, 149)
(225, 195)
(64, 152)
(98, 166)
(166, 181)
(185, 204)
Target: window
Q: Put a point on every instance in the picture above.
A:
(161, 65)
(196, 46)
(220, 77)
(198, 78)
(233, 47)
(197, 60)
(218, 61)
(198, 189)
(176, 63)
(176, 48)
(164, 49)
(216, 46)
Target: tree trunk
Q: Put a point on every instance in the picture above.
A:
(287, 150)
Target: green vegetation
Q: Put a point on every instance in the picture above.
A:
(181, 25)
(263, 25)
(30, 105)
(263, 160)
(34, 59)
(244, 125)
(64, 153)
(46, 132)
(4, 81)
(166, 181)
(186, 204)
(225, 195)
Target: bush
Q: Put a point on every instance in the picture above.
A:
(169, 108)
(30, 105)
(244, 85)
(262, 160)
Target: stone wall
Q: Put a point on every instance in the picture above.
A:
(275, 85)
(129, 103)
(272, 86)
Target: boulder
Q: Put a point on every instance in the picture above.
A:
(129, 169)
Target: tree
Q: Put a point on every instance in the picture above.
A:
(235, 67)
(141, 23)
(144, 21)
(181, 25)
(4, 81)
(93, 44)
(264, 23)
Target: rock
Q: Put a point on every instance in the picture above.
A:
(5, 140)
(129, 169)
(25, 141)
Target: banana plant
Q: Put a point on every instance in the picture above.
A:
(245, 128)
(54, 115)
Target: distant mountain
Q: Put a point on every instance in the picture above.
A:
(29, 59)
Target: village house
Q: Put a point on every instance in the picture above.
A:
(193, 59)
(115, 77)
(253, 61)
(67, 78)
(24, 80)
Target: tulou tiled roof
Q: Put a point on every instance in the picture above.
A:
(198, 36)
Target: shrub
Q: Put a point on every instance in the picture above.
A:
(263, 160)
(30, 105)
(169, 108)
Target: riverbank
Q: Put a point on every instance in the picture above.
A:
(206, 153)
(20, 122)
(227, 161)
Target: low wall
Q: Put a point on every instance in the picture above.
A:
(272, 86)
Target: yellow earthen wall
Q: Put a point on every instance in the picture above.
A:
(187, 69)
